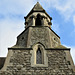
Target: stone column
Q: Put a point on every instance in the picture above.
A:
(43, 20)
(33, 20)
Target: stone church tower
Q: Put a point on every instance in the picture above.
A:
(38, 50)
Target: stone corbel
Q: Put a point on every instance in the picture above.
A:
(49, 23)
(26, 23)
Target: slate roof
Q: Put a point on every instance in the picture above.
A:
(38, 8)
(61, 46)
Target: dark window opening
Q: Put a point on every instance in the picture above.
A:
(54, 39)
(38, 56)
(38, 20)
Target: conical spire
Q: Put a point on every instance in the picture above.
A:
(37, 7)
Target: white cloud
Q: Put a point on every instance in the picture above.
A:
(15, 6)
(9, 30)
(65, 7)
(10, 23)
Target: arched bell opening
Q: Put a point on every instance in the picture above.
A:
(38, 20)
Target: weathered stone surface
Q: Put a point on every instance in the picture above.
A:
(22, 39)
(43, 35)
(21, 64)
(21, 58)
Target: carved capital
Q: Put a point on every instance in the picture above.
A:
(32, 16)
(43, 17)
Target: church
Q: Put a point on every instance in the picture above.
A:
(38, 50)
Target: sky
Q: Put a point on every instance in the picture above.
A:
(12, 14)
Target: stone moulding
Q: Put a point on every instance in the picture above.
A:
(42, 26)
(19, 48)
(32, 49)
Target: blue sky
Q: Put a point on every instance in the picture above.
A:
(12, 14)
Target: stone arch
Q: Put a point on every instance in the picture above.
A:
(39, 45)
(38, 20)
(38, 52)
(44, 59)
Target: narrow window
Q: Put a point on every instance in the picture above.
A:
(38, 20)
(38, 56)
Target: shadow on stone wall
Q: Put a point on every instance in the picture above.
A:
(2, 61)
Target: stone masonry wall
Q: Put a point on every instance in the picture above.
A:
(21, 64)
(43, 35)
(34, 35)
(22, 39)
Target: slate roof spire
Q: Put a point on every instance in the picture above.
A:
(38, 8)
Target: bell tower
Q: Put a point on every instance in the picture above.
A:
(38, 50)
(38, 29)
(38, 17)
